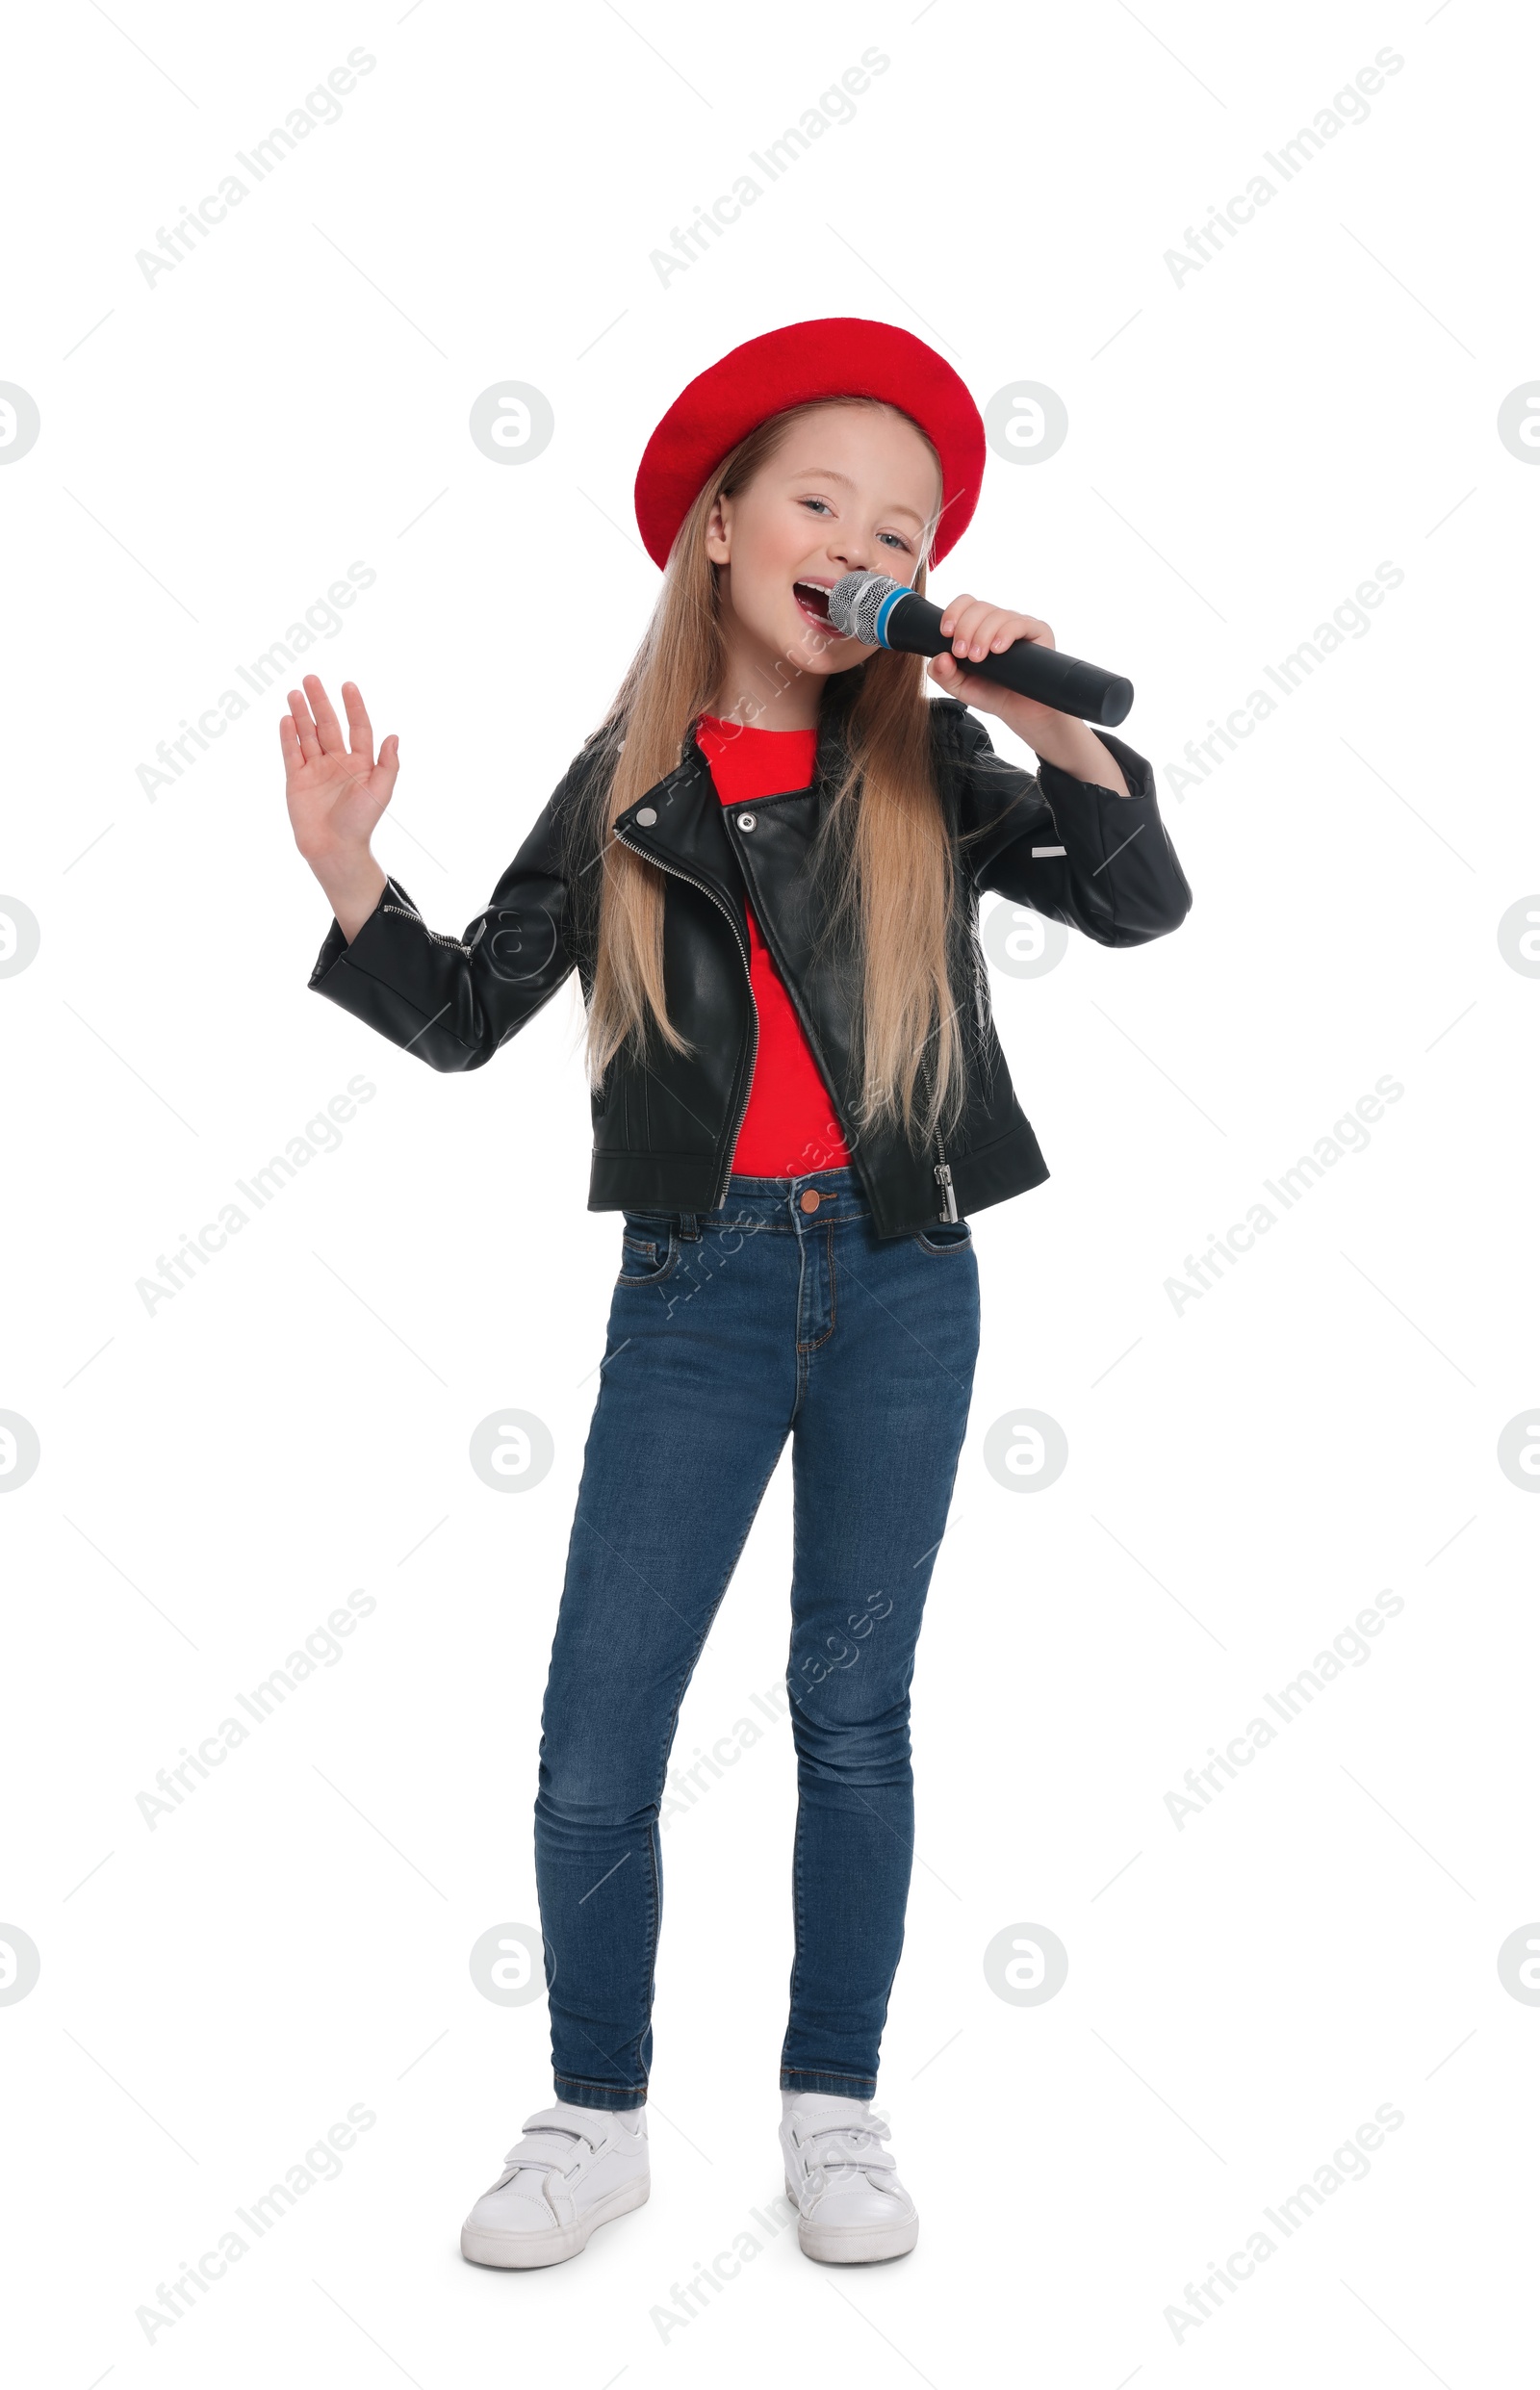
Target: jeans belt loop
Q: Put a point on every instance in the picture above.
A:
(687, 1226)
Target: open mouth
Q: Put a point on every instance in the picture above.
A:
(814, 600)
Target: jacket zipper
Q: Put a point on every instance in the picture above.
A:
(942, 1174)
(941, 1170)
(804, 1022)
(437, 936)
(754, 1050)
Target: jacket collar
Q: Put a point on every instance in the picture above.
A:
(687, 828)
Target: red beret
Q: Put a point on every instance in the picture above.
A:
(829, 358)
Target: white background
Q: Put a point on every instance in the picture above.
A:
(1245, 446)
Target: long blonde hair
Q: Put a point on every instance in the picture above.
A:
(883, 844)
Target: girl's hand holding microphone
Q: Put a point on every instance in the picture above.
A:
(336, 792)
(977, 629)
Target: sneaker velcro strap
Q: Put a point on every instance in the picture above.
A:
(551, 2146)
(837, 2146)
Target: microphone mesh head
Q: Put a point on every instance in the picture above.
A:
(854, 601)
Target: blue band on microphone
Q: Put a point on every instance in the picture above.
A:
(885, 610)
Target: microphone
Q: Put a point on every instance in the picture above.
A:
(881, 612)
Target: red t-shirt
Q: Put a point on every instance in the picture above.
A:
(790, 1127)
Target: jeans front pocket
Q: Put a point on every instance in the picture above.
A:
(648, 1252)
(948, 1236)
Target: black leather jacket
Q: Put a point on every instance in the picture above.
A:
(664, 1128)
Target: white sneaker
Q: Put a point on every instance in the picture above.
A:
(574, 2169)
(851, 2208)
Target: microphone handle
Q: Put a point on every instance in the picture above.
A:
(914, 628)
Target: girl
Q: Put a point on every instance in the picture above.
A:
(766, 867)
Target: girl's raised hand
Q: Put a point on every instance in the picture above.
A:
(336, 790)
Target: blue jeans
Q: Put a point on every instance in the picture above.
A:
(729, 1331)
